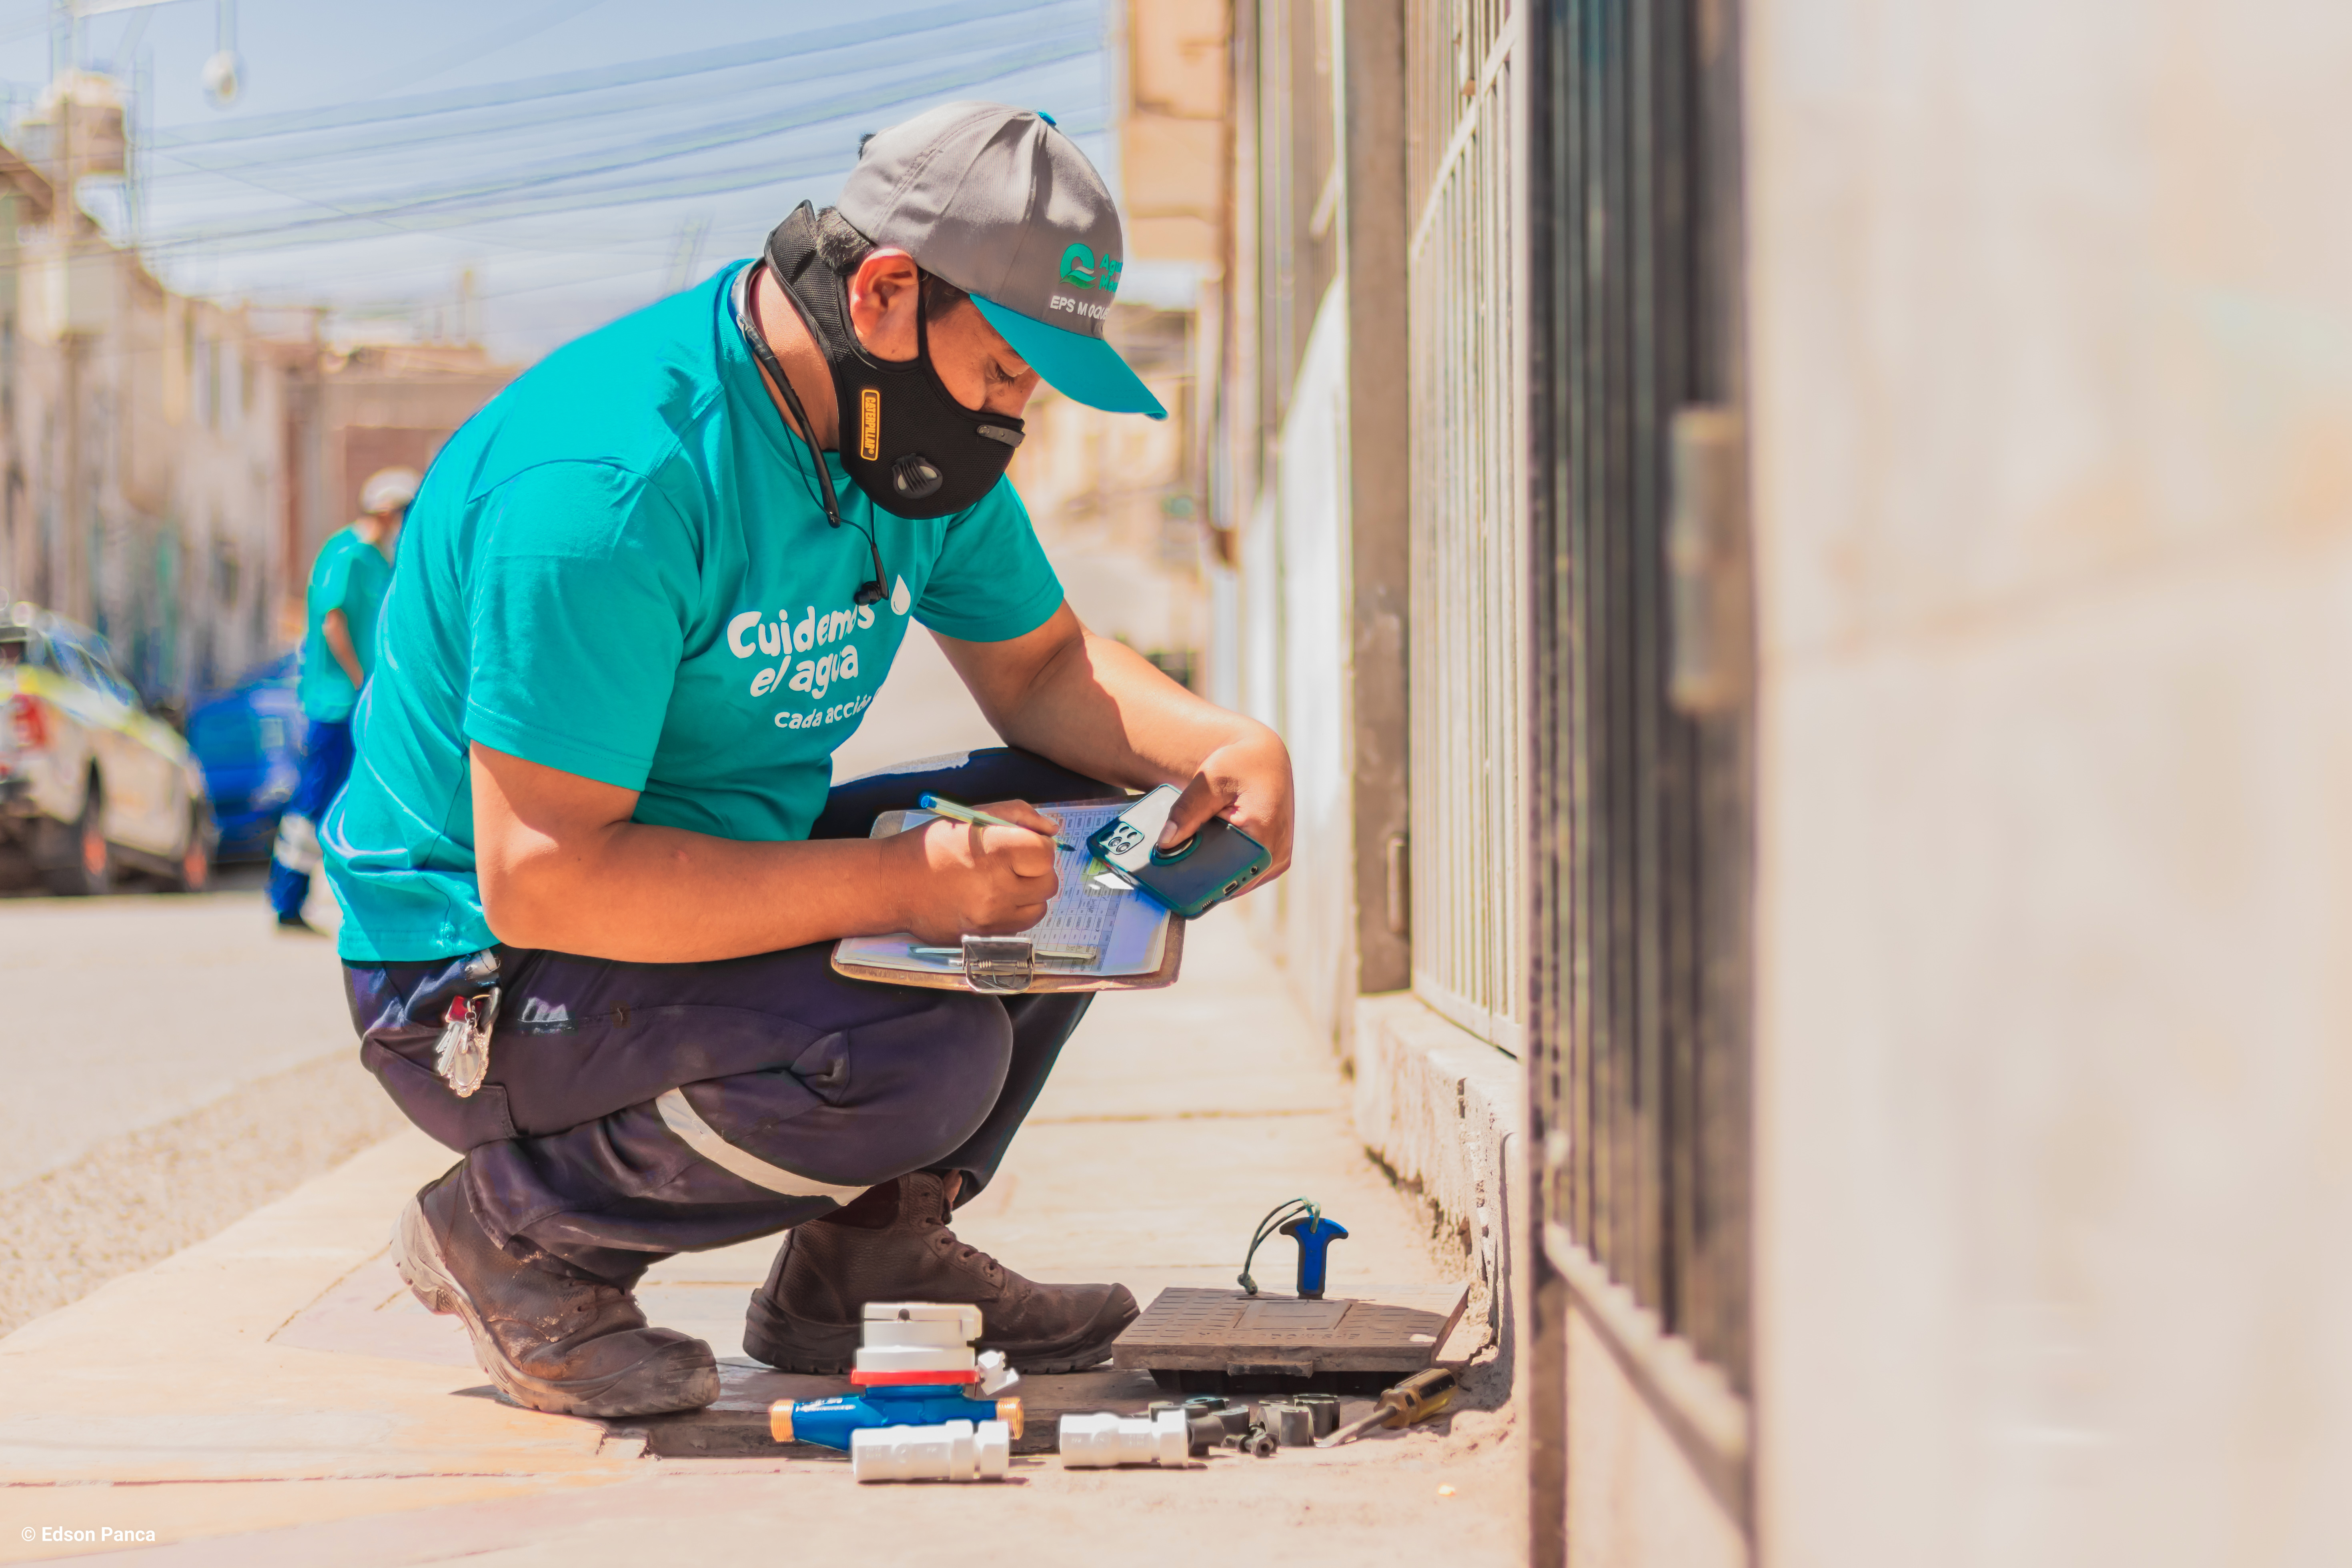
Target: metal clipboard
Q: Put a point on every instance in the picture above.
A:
(1007, 965)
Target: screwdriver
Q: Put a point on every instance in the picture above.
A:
(1417, 1398)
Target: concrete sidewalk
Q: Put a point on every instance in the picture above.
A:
(173, 1063)
(272, 1395)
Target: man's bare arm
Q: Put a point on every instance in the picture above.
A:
(337, 628)
(561, 866)
(1101, 707)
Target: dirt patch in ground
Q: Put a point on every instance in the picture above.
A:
(144, 1196)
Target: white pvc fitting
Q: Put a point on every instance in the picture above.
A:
(996, 1375)
(917, 1336)
(950, 1362)
(955, 1323)
(951, 1451)
(1098, 1442)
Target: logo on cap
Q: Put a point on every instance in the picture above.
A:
(1080, 269)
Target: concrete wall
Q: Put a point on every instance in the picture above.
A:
(1172, 142)
(2053, 377)
(1633, 1495)
(1443, 1109)
(1316, 905)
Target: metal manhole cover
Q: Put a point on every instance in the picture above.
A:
(1187, 1328)
(1292, 1317)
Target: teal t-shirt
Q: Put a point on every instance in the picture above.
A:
(620, 568)
(349, 575)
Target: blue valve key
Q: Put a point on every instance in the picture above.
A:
(1315, 1236)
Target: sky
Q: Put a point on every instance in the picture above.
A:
(580, 157)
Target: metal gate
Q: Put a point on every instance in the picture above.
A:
(1468, 512)
(1639, 812)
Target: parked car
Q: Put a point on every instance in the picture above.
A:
(249, 742)
(90, 783)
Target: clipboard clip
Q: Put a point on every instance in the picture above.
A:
(1002, 965)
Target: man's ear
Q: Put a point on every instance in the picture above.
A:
(885, 294)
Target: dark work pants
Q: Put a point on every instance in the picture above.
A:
(294, 857)
(839, 1082)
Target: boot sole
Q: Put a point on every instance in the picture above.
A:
(791, 1344)
(663, 1382)
(796, 1345)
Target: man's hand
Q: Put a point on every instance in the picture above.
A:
(1100, 708)
(959, 878)
(1247, 783)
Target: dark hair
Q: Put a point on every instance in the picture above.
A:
(841, 248)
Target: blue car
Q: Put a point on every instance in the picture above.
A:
(250, 742)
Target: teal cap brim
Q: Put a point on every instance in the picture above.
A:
(1082, 368)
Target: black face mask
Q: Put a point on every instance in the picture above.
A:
(905, 440)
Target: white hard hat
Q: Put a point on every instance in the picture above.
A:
(388, 489)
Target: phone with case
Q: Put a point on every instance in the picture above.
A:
(1195, 876)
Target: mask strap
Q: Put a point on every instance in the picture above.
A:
(747, 321)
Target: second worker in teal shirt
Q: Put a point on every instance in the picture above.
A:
(347, 582)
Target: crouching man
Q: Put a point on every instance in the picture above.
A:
(645, 593)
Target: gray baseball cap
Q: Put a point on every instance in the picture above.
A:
(998, 202)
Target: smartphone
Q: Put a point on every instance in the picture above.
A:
(1190, 879)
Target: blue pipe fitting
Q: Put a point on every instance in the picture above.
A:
(829, 1423)
(1315, 1236)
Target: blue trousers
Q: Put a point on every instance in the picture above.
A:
(575, 1143)
(294, 858)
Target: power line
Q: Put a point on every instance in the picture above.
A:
(707, 137)
(507, 194)
(522, 114)
(722, 181)
(567, 83)
(632, 153)
(511, 33)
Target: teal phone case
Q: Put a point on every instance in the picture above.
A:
(1199, 874)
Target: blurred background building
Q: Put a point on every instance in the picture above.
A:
(171, 465)
(1113, 498)
(355, 408)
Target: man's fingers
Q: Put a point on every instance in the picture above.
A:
(1024, 852)
(1200, 801)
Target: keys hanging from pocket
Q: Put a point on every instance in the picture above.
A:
(462, 1055)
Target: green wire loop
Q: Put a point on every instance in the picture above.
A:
(1277, 1217)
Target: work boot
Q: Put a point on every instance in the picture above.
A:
(553, 1342)
(894, 1244)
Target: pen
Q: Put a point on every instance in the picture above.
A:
(949, 808)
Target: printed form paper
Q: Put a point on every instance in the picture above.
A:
(1126, 931)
